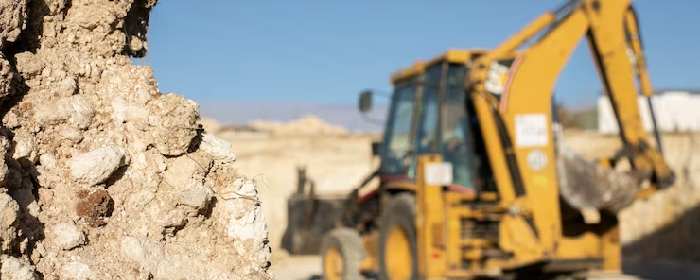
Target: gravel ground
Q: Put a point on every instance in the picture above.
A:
(309, 268)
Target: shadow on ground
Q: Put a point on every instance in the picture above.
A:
(671, 251)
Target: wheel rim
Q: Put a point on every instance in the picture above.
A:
(333, 264)
(397, 258)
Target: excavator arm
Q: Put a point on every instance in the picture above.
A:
(618, 72)
(612, 33)
(512, 86)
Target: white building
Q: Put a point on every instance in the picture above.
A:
(675, 110)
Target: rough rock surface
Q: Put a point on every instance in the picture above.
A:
(104, 177)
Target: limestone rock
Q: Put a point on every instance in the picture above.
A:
(217, 147)
(77, 270)
(103, 176)
(67, 236)
(15, 269)
(12, 19)
(96, 166)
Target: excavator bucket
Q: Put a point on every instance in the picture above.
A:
(586, 185)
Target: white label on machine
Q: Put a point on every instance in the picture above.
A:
(496, 78)
(531, 130)
(438, 174)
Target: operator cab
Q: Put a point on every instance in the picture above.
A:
(431, 114)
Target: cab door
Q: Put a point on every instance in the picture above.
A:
(397, 144)
(427, 135)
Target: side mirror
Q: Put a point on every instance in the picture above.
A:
(365, 101)
(376, 148)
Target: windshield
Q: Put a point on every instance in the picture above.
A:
(397, 145)
(442, 122)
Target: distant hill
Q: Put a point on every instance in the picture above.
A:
(345, 115)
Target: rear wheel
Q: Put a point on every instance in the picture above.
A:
(397, 239)
(342, 254)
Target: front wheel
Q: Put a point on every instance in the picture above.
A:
(342, 254)
(397, 239)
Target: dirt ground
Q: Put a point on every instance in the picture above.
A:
(309, 268)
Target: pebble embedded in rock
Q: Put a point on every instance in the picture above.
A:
(8, 216)
(67, 236)
(77, 270)
(197, 198)
(218, 148)
(96, 166)
(14, 269)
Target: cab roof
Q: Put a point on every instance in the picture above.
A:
(451, 56)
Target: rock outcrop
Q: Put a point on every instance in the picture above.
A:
(105, 177)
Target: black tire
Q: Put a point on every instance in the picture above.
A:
(347, 242)
(400, 211)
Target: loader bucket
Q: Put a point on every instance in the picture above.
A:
(310, 216)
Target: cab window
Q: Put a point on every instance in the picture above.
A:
(397, 145)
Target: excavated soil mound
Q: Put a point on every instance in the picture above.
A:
(210, 125)
(104, 177)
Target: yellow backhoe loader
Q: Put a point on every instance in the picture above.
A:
(474, 179)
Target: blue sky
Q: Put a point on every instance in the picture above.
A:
(327, 51)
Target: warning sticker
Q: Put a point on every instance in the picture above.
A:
(537, 160)
(531, 130)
